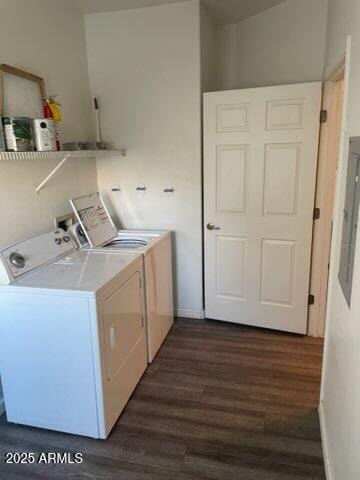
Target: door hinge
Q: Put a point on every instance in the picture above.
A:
(323, 116)
(316, 214)
(311, 299)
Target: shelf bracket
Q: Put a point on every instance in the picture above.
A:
(52, 173)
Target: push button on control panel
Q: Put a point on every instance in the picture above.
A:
(58, 241)
(66, 239)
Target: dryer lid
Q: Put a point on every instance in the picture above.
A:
(81, 271)
(94, 219)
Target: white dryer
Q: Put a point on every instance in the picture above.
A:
(72, 334)
(97, 231)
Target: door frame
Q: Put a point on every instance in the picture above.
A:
(343, 157)
(333, 103)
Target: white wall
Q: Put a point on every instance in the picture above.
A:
(226, 57)
(49, 40)
(144, 65)
(207, 50)
(24, 211)
(340, 395)
(284, 44)
(45, 37)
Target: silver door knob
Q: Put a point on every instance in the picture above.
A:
(211, 226)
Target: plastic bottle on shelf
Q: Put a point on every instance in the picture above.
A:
(48, 111)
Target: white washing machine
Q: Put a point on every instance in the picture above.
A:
(96, 230)
(72, 334)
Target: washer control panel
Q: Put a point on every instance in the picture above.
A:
(23, 257)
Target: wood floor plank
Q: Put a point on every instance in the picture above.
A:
(267, 382)
(262, 344)
(123, 444)
(204, 456)
(94, 467)
(210, 328)
(191, 416)
(256, 400)
(228, 468)
(241, 356)
(220, 401)
(153, 386)
(303, 424)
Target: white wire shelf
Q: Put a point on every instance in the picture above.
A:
(57, 155)
(63, 156)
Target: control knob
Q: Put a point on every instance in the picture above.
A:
(17, 260)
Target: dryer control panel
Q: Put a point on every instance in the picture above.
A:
(23, 257)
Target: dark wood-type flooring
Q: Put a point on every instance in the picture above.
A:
(220, 401)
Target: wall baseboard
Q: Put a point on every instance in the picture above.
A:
(189, 313)
(324, 442)
(2, 406)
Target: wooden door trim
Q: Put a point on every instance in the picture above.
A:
(333, 99)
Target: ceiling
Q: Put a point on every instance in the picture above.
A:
(223, 11)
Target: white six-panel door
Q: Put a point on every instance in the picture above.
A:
(260, 157)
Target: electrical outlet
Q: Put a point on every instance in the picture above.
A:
(64, 221)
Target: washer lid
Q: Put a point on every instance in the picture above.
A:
(94, 219)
